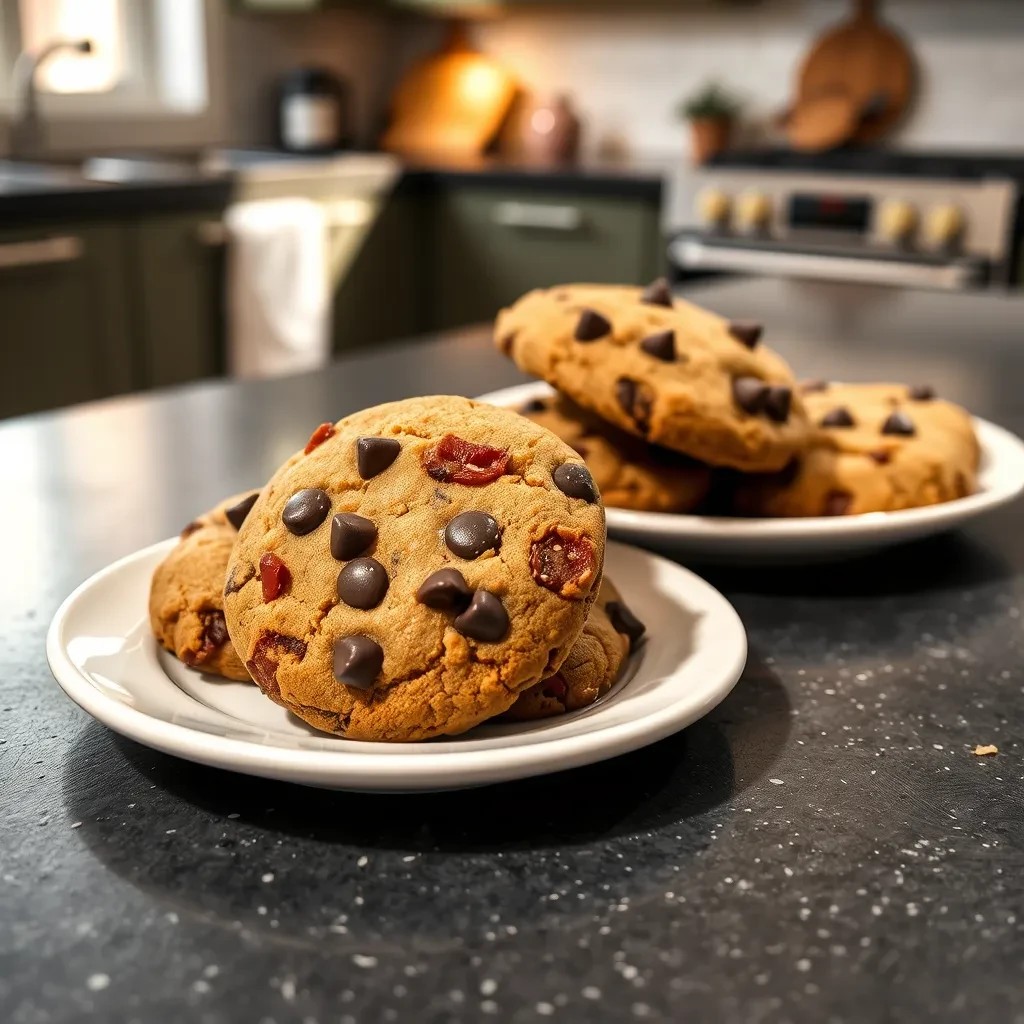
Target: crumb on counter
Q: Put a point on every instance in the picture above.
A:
(985, 750)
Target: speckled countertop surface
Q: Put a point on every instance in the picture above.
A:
(823, 847)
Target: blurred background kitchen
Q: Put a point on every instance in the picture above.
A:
(194, 188)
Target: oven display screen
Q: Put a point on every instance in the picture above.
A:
(834, 212)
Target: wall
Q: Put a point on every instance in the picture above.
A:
(260, 47)
(627, 69)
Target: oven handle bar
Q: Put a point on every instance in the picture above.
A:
(692, 253)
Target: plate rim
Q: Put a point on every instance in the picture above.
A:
(681, 525)
(350, 769)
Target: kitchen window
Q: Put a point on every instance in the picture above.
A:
(146, 81)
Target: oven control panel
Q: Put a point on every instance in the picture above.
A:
(968, 216)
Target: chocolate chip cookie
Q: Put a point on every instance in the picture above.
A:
(873, 448)
(661, 369)
(630, 473)
(186, 599)
(415, 569)
(593, 664)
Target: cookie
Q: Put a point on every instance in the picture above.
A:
(661, 369)
(593, 664)
(873, 448)
(186, 599)
(416, 569)
(629, 472)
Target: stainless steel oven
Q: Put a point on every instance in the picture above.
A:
(910, 230)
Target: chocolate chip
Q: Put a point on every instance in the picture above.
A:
(446, 590)
(238, 576)
(357, 661)
(881, 456)
(351, 535)
(661, 345)
(192, 527)
(305, 510)
(838, 417)
(898, 422)
(375, 454)
(746, 332)
(749, 393)
(237, 513)
(625, 622)
(921, 393)
(591, 326)
(635, 400)
(777, 402)
(534, 405)
(363, 583)
(506, 343)
(837, 503)
(657, 293)
(807, 386)
(575, 481)
(470, 534)
(215, 630)
(485, 619)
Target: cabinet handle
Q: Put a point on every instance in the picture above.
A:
(538, 215)
(41, 251)
(212, 233)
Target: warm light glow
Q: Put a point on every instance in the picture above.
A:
(542, 121)
(481, 82)
(100, 21)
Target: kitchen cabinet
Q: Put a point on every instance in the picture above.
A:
(95, 308)
(65, 316)
(382, 295)
(175, 280)
(491, 245)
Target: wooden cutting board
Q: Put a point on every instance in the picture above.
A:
(867, 61)
(822, 122)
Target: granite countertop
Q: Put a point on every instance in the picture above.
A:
(824, 846)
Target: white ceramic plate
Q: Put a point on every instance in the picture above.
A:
(727, 539)
(104, 657)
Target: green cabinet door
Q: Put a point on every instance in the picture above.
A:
(490, 246)
(63, 317)
(381, 295)
(176, 282)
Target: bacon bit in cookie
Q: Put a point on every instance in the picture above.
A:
(274, 576)
(317, 438)
(212, 638)
(453, 460)
(563, 561)
(263, 667)
(986, 750)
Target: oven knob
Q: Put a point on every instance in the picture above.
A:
(713, 206)
(896, 220)
(753, 211)
(944, 225)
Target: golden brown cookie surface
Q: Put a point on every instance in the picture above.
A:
(186, 599)
(874, 448)
(593, 664)
(629, 472)
(416, 570)
(661, 369)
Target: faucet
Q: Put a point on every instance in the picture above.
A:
(28, 132)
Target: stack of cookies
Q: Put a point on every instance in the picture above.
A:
(675, 409)
(414, 570)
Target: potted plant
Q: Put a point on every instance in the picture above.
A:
(711, 112)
